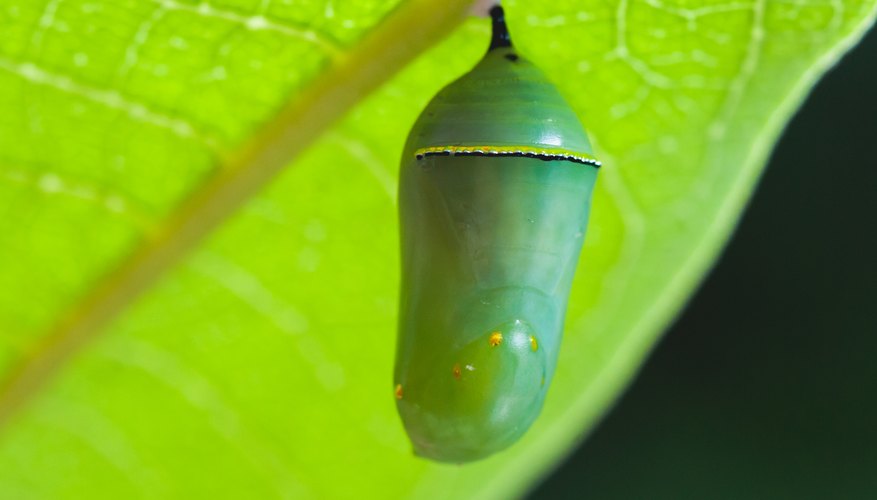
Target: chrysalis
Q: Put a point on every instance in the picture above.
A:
(495, 188)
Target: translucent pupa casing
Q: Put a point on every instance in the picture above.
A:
(495, 188)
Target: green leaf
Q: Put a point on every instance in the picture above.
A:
(259, 366)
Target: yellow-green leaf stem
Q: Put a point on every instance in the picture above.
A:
(410, 29)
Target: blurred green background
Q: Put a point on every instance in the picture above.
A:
(766, 386)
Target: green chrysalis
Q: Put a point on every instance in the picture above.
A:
(495, 188)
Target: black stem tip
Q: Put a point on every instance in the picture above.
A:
(501, 37)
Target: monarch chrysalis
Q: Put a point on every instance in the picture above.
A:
(495, 188)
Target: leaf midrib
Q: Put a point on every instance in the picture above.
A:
(409, 30)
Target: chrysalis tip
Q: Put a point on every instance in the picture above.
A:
(501, 37)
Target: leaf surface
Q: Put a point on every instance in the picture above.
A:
(260, 365)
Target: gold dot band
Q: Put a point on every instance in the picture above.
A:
(546, 154)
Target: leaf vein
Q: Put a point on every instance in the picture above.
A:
(258, 22)
(112, 99)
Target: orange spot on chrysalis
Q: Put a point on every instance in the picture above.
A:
(533, 344)
(398, 391)
(495, 339)
(456, 371)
